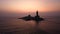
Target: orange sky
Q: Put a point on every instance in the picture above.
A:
(30, 5)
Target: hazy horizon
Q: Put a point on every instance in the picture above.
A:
(26, 7)
(22, 14)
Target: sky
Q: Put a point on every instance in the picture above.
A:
(29, 5)
(25, 7)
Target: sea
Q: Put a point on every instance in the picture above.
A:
(13, 25)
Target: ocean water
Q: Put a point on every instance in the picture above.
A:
(12, 25)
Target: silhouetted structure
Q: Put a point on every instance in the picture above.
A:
(27, 18)
(37, 18)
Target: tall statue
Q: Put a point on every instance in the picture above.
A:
(37, 13)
